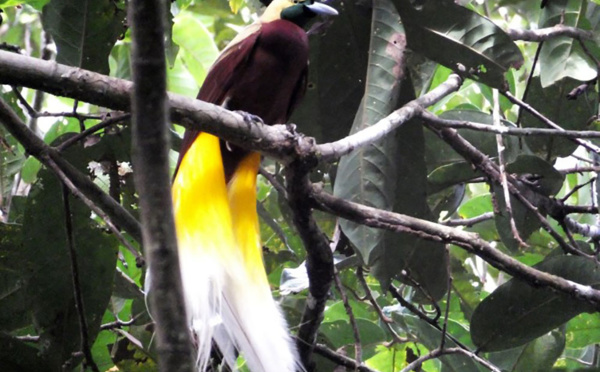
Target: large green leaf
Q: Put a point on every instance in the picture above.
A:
(369, 175)
(538, 355)
(569, 114)
(563, 56)
(46, 266)
(389, 174)
(84, 31)
(516, 312)
(336, 78)
(455, 36)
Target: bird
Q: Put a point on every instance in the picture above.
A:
(261, 72)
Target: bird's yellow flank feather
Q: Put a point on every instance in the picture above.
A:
(216, 219)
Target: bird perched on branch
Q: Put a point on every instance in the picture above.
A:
(228, 298)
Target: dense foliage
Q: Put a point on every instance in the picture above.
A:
(506, 277)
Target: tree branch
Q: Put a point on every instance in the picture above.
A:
(78, 183)
(319, 259)
(152, 180)
(547, 33)
(469, 241)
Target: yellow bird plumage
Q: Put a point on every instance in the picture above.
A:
(228, 297)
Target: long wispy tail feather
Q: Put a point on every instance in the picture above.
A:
(227, 293)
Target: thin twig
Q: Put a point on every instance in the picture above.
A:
(387, 321)
(273, 181)
(588, 145)
(447, 311)
(350, 313)
(90, 204)
(502, 170)
(506, 131)
(119, 324)
(578, 169)
(469, 222)
(341, 360)
(93, 129)
(79, 306)
(575, 189)
(440, 352)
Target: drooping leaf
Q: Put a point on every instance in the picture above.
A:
(569, 114)
(516, 313)
(84, 31)
(336, 77)
(563, 56)
(460, 39)
(387, 174)
(47, 267)
(369, 175)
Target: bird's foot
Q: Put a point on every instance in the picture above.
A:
(250, 118)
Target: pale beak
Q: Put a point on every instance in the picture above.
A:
(320, 8)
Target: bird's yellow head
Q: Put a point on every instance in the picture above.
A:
(297, 11)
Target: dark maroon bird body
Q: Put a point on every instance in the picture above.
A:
(263, 74)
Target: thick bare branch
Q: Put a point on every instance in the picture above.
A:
(152, 180)
(469, 241)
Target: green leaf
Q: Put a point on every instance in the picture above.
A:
(336, 77)
(540, 354)
(453, 35)
(13, 298)
(583, 330)
(516, 313)
(16, 356)
(47, 267)
(569, 114)
(339, 333)
(369, 175)
(450, 175)
(37, 4)
(84, 31)
(198, 49)
(548, 182)
(390, 174)
(431, 337)
(236, 5)
(439, 153)
(563, 56)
